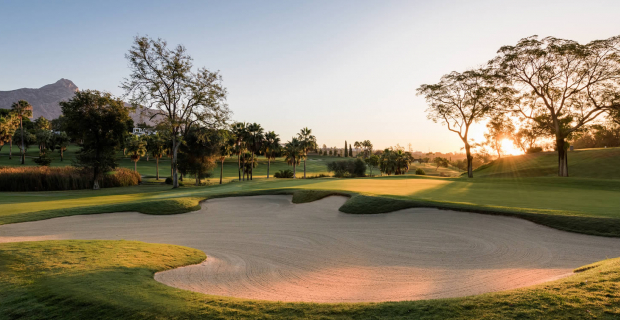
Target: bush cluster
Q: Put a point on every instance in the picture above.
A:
(283, 174)
(420, 172)
(347, 168)
(61, 178)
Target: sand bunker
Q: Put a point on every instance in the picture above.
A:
(268, 248)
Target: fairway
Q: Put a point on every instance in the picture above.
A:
(268, 248)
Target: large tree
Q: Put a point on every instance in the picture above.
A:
(8, 125)
(562, 83)
(163, 80)
(22, 109)
(460, 100)
(99, 121)
(308, 142)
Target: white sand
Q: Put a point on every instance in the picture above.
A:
(268, 248)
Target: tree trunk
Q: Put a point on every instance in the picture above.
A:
(197, 179)
(239, 165)
(304, 168)
(135, 166)
(147, 157)
(562, 157)
(21, 125)
(221, 170)
(62, 155)
(470, 173)
(11, 149)
(156, 168)
(252, 168)
(268, 165)
(243, 166)
(294, 170)
(95, 175)
(175, 174)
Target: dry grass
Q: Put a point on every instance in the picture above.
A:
(61, 178)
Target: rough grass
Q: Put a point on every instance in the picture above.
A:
(114, 280)
(61, 178)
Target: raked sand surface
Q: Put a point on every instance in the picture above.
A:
(266, 247)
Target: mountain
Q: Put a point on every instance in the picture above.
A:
(45, 100)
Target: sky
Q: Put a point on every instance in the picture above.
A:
(348, 70)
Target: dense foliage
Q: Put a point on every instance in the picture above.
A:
(347, 168)
(61, 178)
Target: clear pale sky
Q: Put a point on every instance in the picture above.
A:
(345, 69)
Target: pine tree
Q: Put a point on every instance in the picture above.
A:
(345, 149)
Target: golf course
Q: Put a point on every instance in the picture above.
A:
(316, 160)
(348, 256)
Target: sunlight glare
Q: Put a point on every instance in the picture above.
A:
(509, 148)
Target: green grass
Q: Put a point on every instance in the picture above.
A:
(586, 163)
(114, 280)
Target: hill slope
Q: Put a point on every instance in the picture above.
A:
(584, 163)
(45, 100)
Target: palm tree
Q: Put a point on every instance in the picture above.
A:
(226, 149)
(293, 152)
(136, 149)
(22, 109)
(157, 146)
(308, 142)
(255, 140)
(271, 148)
(240, 133)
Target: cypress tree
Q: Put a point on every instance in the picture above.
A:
(350, 151)
(346, 154)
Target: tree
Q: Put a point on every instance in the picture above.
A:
(227, 147)
(346, 149)
(8, 125)
(357, 146)
(561, 83)
(460, 100)
(293, 153)
(271, 148)
(60, 142)
(199, 152)
(372, 161)
(255, 140)
(307, 142)
(157, 146)
(394, 161)
(440, 162)
(136, 149)
(527, 136)
(22, 109)
(44, 139)
(499, 128)
(240, 133)
(100, 122)
(350, 151)
(42, 124)
(163, 79)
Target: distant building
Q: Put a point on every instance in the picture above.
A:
(143, 131)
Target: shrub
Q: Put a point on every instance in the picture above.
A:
(285, 174)
(62, 178)
(168, 180)
(347, 168)
(420, 172)
(322, 175)
(43, 160)
(534, 150)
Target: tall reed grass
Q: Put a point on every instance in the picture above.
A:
(61, 178)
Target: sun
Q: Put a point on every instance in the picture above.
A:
(509, 148)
